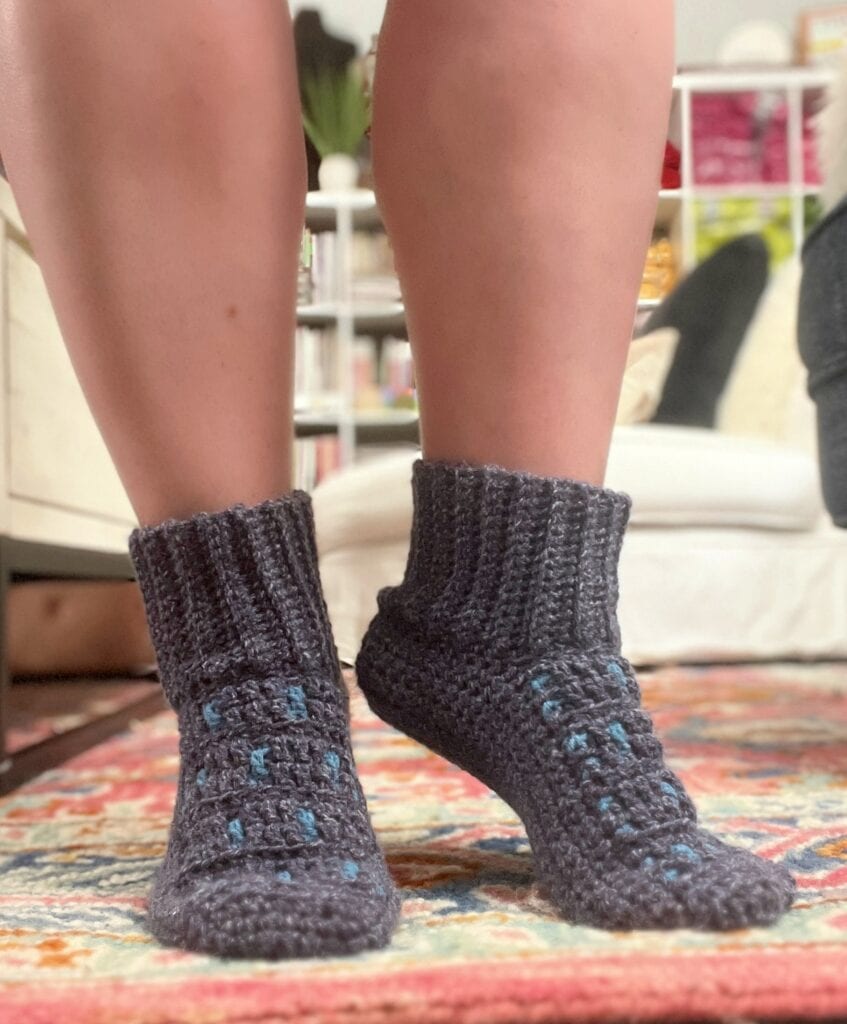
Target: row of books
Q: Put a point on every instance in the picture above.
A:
(374, 277)
(383, 374)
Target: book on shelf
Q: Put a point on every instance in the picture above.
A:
(383, 374)
(374, 279)
(315, 458)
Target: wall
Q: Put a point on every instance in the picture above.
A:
(700, 25)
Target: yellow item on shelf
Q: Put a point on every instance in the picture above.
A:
(660, 273)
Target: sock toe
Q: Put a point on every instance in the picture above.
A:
(730, 890)
(258, 915)
(737, 891)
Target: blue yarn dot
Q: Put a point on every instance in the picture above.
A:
(577, 742)
(235, 831)
(284, 876)
(605, 803)
(615, 670)
(297, 709)
(540, 682)
(350, 870)
(201, 778)
(308, 826)
(683, 850)
(619, 735)
(258, 768)
(549, 708)
(648, 863)
(671, 874)
(211, 715)
(625, 830)
(671, 791)
(333, 764)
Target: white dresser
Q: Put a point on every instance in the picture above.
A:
(57, 483)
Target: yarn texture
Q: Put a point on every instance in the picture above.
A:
(271, 852)
(500, 650)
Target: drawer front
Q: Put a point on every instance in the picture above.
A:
(56, 454)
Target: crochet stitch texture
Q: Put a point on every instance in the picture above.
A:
(500, 650)
(271, 851)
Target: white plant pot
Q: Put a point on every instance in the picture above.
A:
(338, 172)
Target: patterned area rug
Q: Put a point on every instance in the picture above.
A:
(764, 751)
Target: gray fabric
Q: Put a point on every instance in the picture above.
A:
(822, 332)
(271, 852)
(712, 310)
(499, 650)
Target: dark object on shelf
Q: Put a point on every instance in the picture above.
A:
(317, 50)
(822, 332)
(28, 559)
(712, 309)
(671, 176)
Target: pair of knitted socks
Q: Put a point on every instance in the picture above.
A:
(499, 650)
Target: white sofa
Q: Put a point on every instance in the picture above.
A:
(729, 556)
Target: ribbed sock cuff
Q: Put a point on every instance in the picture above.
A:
(512, 559)
(234, 591)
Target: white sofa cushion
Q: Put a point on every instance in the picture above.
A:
(686, 595)
(676, 476)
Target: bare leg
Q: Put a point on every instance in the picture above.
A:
(519, 198)
(516, 154)
(156, 153)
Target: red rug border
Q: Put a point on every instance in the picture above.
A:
(799, 984)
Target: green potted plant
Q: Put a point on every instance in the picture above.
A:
(336, 115)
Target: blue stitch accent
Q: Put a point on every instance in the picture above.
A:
(297, 709)
(588, 764)
(350, 870)
(258, 768)
(212, 715)
(306, 821)
(671, 874)
(201, 778)
(333, 763)
(236, 832)
(619, 735)
(683, 850)
(671, 791)
(605, 803)
(540, 682)
(284, 876)
(625, 830)
(648, 863)
(614, 669)
(579, 741)
(549, 708)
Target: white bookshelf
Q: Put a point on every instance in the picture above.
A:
(678, 207)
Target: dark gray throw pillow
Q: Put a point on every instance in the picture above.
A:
(712, 309)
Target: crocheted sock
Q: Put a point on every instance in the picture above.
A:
(500, 650)
(271, 852)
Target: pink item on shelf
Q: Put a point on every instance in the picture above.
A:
(723, 128)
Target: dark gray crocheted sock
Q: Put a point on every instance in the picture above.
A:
(271, 851)
(500, 651)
